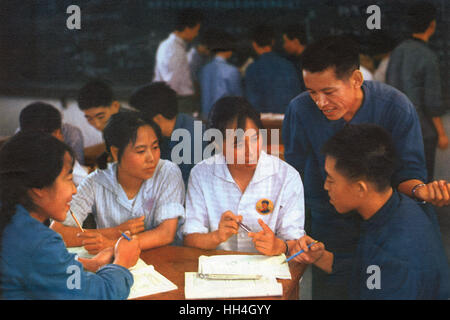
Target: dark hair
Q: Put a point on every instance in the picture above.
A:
(363, 151)
(263, 35)
(122, 129)
(296, 31)
(223, 41)
(420, 16)
(28, 160)
(338, 52)
(207, 36)
(228, 109)
(188, 18)
(40, 116)
(155, 98)
(96, 93)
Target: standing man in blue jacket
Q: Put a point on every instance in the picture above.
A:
(271, 81)
(219, 78)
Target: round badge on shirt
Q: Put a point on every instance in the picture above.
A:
(264, 206)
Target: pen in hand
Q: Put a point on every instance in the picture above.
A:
(243, 226)
(301, 251)
(125, 236)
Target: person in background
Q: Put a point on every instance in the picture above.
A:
(414, 69)
(96, 100)
(43, 117)
(271, 81)
(158, 103)
(171, 65)
(36, 185)
(200, 54)
(252, 187)
(138, 192)
(219, 78)
(294, 43)
(400, 254)
(381, 45)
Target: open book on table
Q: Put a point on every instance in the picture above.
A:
(147, 280)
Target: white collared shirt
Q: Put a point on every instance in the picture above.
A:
(172, 65)
(161, 197)
(212, 191)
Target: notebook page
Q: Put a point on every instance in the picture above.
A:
(198, 288)
(267, 266)
(147, 280)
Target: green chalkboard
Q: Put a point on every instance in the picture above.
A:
(118, 40)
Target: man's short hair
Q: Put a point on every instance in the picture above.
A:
(40, 116)
(363, 151)
(96, 93)
(155, 98)
(263, 35)
(420, 16)
(338, 52)
(188, 18)
(296, 31)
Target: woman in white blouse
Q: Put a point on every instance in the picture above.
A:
(139, 192)
(262, 192)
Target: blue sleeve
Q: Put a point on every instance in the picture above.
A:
(235, 83)
(296, 146)
(406, 134)
(56, 274)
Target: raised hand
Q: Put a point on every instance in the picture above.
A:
(266, 242)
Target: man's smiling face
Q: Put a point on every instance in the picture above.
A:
(336, 98)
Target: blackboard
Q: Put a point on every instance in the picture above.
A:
(118, 40)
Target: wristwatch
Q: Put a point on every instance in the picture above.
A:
(413, 191)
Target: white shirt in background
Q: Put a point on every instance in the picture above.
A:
(172, 65)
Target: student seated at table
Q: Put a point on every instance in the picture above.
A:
(139, 192)
(400, 253)
(96, 100)
(43, 117)
(158, 102)
(36, 185)
(262, 192)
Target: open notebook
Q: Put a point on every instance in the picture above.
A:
(236, 276)
(147, 280)
(198, 288)
(253, 265)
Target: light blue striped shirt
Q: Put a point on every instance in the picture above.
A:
(160, 198)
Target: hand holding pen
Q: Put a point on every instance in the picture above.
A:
(308, 250)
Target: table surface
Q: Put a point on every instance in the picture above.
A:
(172, 262)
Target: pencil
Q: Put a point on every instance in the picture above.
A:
(300, 252)
(243, 226)
(79, 225)
(125, 236)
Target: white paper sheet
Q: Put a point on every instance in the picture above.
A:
(266, 266)
(147, 280)
(198, 288)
